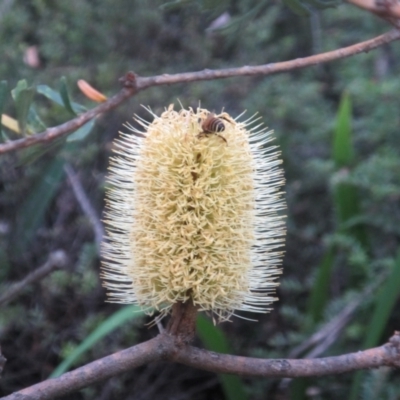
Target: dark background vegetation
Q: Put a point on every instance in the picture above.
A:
(100, 41)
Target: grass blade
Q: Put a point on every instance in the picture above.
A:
(112, 323)
(342, 149)
(215, 340)
(384, 304)
(32, 211)
(320, 291)
(346, 197)
(65, 96)
(23, 97)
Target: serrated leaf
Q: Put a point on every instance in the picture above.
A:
(3, 99)
(65, 96)
(82, 132)
(23, 97)
(215, 340)
(112, 323)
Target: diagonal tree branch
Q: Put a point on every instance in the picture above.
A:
(134, 84)
(97, 371)
(56, 260)
(85, 204)
(387, 9)
(168, 347)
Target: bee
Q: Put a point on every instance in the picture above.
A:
(212, 125)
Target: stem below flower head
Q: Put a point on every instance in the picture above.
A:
(182, 324)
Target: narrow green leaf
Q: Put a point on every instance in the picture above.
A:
(346, 198)
(5, 263)
(297, 7)
(385, 302)
(3, 99)
(342, 150)
(243, 19)
(23, 97)
(65, 96)
(112, 323)
(50, 94)
(32, 211)
(346, 202)
(215, 340)
(298, 388)
(318, 4)
(172, 5)
(82, 132)
(215, 6)
(347, 206)
(32, 153)
(320, 291)
(54, 96)
(35, 123)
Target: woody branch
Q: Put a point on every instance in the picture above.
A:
(168, 347)
(133, 84)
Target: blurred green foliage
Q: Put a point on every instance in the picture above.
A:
(100, 41)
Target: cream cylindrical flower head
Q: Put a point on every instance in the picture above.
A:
(193, 213)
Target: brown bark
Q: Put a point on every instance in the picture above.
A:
(132, 84)
(168, 347)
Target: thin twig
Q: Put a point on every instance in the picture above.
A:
(383, 8)
(57, 259)
(328, 333)
(166, 347)
(84, 202)
(140, 83)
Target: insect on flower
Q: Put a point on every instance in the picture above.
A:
(189, 219)
(212, 125)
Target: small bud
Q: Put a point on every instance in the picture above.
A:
(192, 212)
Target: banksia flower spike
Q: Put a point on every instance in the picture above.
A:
(192, 213)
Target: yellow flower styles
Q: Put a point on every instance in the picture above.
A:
(192, 212)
